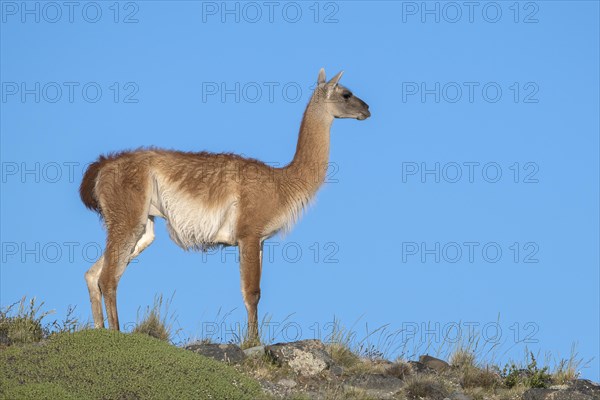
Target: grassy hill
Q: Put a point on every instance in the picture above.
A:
(102, 364)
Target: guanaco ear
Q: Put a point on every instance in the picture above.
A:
(321, 78)
(336, 79)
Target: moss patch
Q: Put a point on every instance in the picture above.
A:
(101, 364)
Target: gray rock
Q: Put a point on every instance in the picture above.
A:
(305, 357)
(563, 386)
(288, 383)
(230, 353)
(553, 394)
(255, 351)
(336, 370)
(378, 386)
(538, 394)
(460, 396)
(434, 363)
(586, 386)
(274, 390)
(581, 389)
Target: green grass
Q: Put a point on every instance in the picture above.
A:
(101, 364)
(531, 376)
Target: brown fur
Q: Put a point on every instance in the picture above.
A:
(207, 199)
(86, 189)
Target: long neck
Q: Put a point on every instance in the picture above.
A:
(311, 159)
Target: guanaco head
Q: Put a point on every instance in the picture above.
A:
(339, 101)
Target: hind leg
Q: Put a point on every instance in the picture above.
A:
(123, 189)
(91, 277)
(119, 252)
(116, 258)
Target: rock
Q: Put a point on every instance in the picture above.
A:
(274, 390)
(230, 353)
(336, 370)
(553, 394)
(305, 357)
(460, 396)
(378, 386)
(288, 383)
(434, 363)
(581, 389)
(255, 351)
(586, 386)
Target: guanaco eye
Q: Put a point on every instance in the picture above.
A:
(347, 95)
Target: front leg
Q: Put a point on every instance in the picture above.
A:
(250, 270)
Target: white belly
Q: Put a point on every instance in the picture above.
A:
(192, 223)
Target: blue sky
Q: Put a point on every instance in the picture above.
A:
(469, 199)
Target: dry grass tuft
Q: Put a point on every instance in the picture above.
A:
(342, 355)
(400, 370)
(462, 358)
(473, 377)
(422, 386)
(157, 322)
(567, 370)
